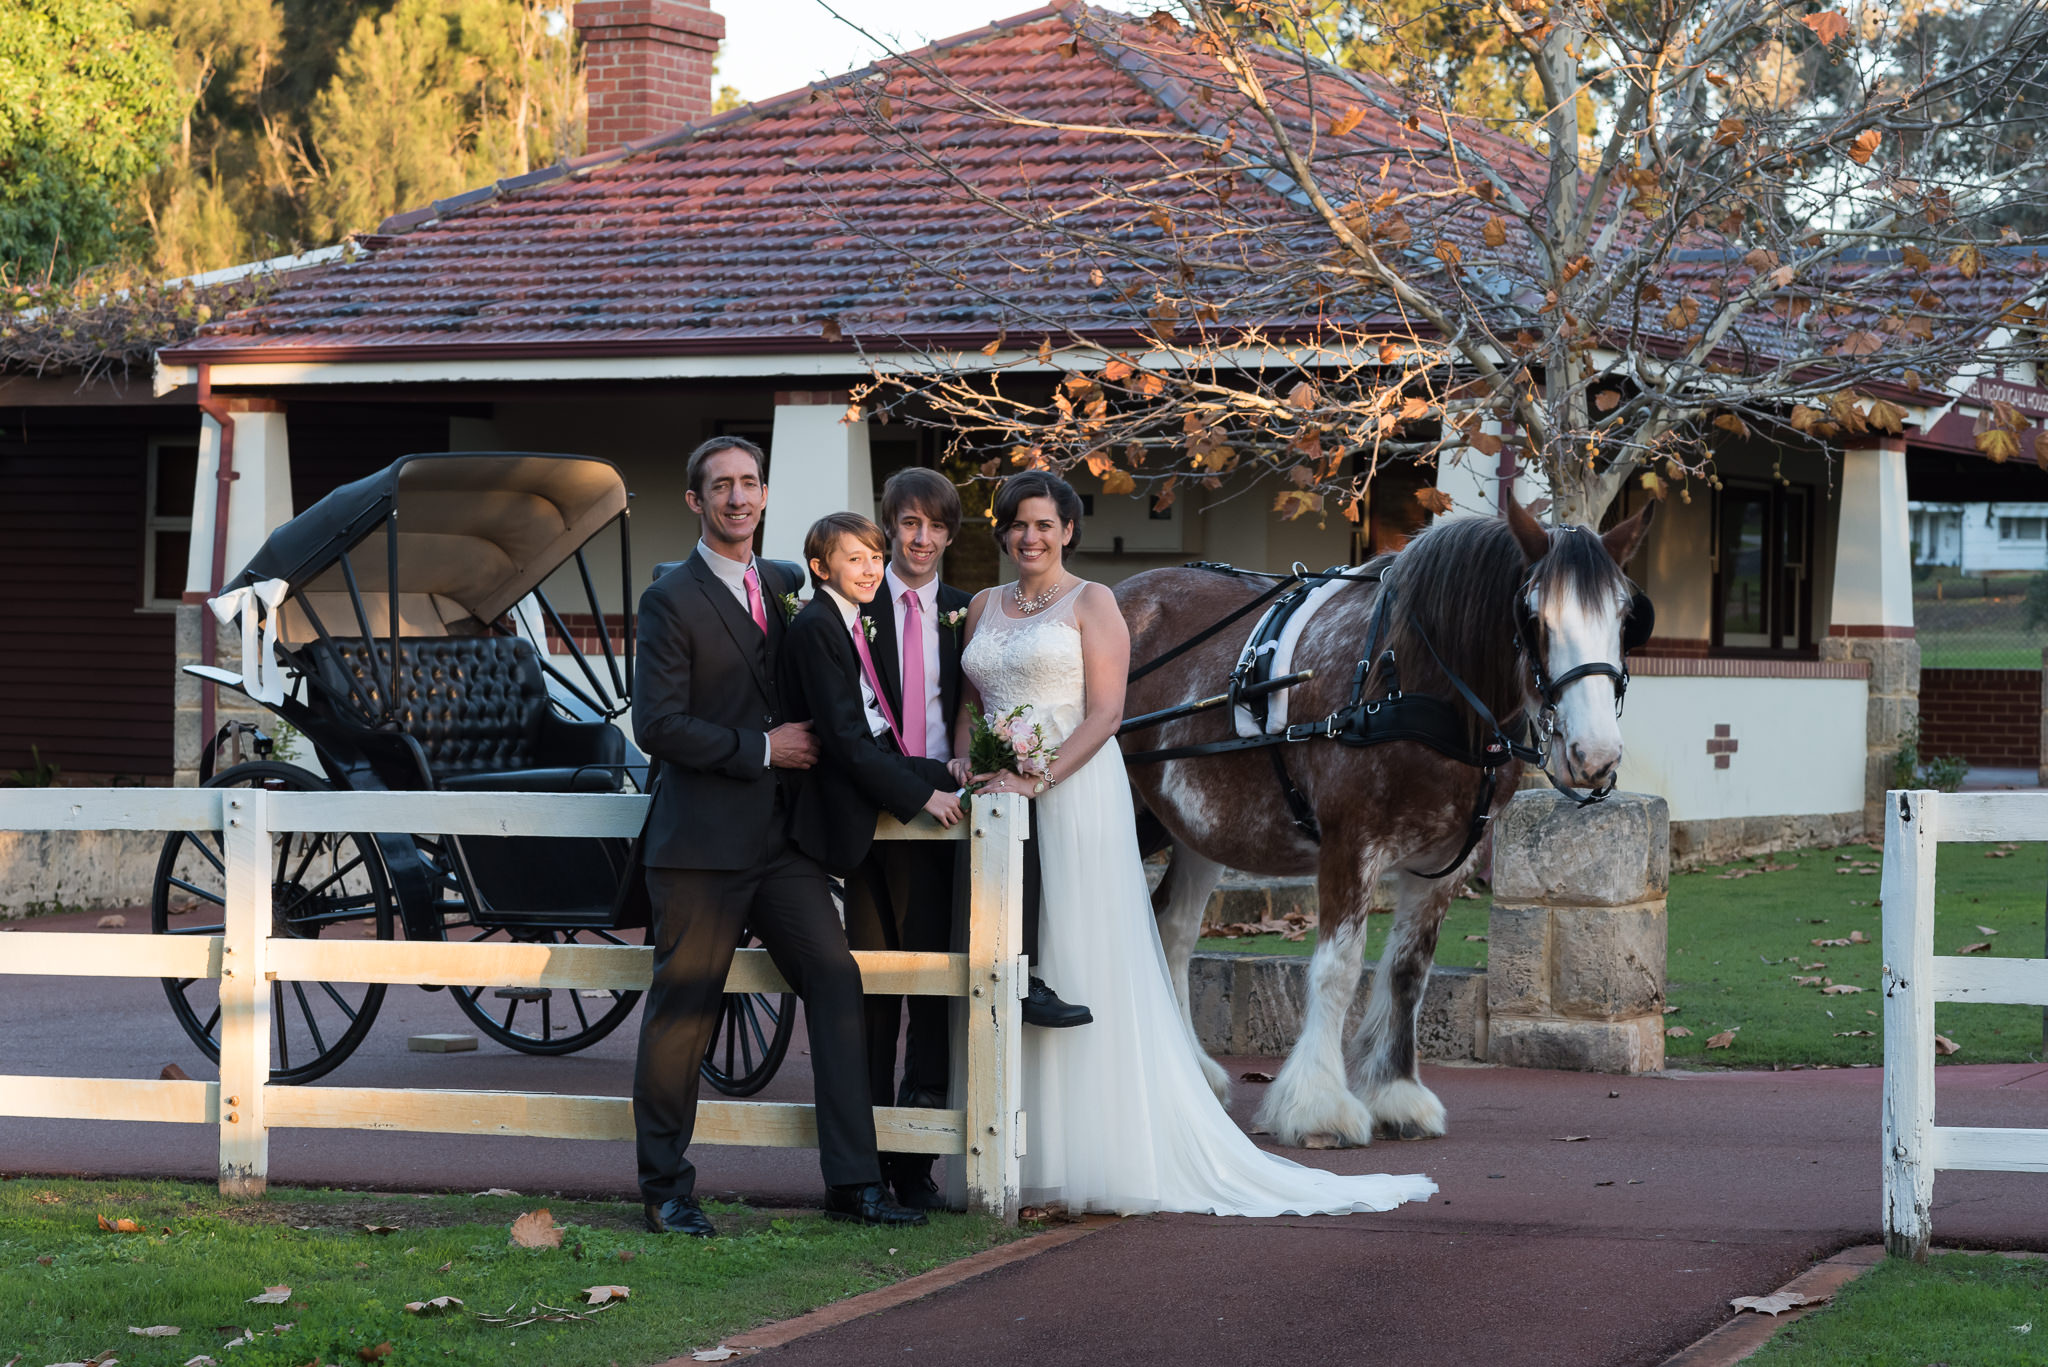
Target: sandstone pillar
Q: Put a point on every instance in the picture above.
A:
(1575, 950)
(817, 464)
(1871, 617)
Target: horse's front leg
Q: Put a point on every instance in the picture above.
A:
(1178, 904)
(1384, 1071)
(1309, 1103)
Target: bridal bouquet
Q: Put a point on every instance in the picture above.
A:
(1010, 741)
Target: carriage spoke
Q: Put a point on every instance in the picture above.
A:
(339, 1000)
(284, 1044)
(197, 930)
(220, 865)
(510, 1011)
(219, 899)
(211, 1022)
(306, 1009)
(576, 1002)
(754, 1023)
(300, 872)
(547, 1029)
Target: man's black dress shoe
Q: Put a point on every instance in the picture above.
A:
(1042, 1006)
(679, 1215)
(869, 1204)
(912, 1179)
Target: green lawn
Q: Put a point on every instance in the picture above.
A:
(1739, 944)
(1972, 1310)
(70, 1291)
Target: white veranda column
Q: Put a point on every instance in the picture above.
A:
(259, 495)
(1871, 615)
(817, 464)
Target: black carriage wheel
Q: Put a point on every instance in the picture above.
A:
(750, 1039)
(546, 1020)
(319, 884)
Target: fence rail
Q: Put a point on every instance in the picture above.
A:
(1915, 978)
(987, 982)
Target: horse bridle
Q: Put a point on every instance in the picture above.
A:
(1636, 627)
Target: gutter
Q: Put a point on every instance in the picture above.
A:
(224, 477)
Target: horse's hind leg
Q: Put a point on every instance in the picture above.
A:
(1177, 905)
(1309, 1103)
(1382, 1056)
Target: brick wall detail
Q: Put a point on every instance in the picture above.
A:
(1988, 716)
(646, 66)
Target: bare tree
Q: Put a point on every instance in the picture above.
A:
(1731, 219)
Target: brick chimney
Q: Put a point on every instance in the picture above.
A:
(646, 65)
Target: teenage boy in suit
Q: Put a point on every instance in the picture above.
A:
(709, 710)
(903, 896)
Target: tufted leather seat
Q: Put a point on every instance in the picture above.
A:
(478, 706)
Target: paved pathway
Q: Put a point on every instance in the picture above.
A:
(1722, 1184)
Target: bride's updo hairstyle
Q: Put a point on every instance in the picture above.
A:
(1031, 484)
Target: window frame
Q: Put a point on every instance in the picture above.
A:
(154, 523)
(1783, 500)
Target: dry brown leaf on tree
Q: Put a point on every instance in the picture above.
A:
(536, 1229)
(272, 1295)
(1724, 1040)
(1777, 1303)
(1945, 1046)
(604, 1295)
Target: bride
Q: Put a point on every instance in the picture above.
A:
(1121, 1116)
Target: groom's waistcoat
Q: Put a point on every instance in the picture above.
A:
(705, 697)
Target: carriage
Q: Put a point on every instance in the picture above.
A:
(401, 630)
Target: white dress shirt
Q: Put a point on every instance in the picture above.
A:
(850, 612)
(938, 737)
(733, 574)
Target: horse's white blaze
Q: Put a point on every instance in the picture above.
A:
(1309, 1097)
(1190, 878)
(1578, 632)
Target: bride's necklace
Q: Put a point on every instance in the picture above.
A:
(1027, 606)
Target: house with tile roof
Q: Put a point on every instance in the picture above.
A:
(700, 276)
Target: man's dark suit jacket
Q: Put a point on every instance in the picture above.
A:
(856, 776)
(888, 650)
(707, 695)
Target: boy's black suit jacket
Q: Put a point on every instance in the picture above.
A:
(707, 692)
(888, 650)
(855, 777)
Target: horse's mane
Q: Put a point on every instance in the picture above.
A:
(1458, 581)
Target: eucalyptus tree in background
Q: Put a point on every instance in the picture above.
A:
(1689, 223)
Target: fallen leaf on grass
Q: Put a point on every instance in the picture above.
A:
(376, 1352)
(1854, 1034)
(446, 1267)
(1570, 1138)
(1471, 939)
(1986, 930)
(45, 1260)
(1678, 1032)
(272, 1295)
(1813, 968)
(1806, 982)
(114, 922)
(380, 1229)
(1980, 947)
(201, 1361)
(1776, 868)
(121, 1226)
(1857, 937)
(434, 1306)
(719, 1354)
(536, 1229)
(599, 1295)
(156, 1331)
(1777, 1302)
(1830, 944)
(627, 1255)
(1724, 1040)
(1945, 1046)
(1998, 854)
(1254, 1076)
(1669, 1010)
(495, 1191)
(1839, 990)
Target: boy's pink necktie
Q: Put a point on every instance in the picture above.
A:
(755, 606)
(913, 675)
(867, 666)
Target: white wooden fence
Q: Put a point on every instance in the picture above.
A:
(1915, 978)
(988, 981)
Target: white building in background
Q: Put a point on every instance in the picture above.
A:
(1981, 538)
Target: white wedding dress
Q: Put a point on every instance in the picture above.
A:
(1118, 1116)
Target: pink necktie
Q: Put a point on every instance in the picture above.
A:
(755, 606)
(913, 674)
(867, 666)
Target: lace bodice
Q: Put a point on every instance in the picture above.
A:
(1030, 661)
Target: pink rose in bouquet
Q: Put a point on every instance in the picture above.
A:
(1010, 742)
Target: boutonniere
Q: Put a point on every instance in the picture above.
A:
(954, 620)
(791, 606)
(867, 627)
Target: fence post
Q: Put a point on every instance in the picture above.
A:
(245, 993)
(996, 983)
(1911, 834)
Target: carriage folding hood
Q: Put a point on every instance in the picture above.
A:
(467, 535)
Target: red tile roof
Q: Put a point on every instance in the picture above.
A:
(748, 232)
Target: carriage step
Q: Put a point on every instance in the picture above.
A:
(441, 1044)
(522, 994)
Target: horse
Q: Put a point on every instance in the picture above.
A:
(1530, 619)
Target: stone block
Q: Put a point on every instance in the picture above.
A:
(1630, 1046)
(1886, 718)
(1518, 959)
(43, 871)
(1253, 1004)
(1550, 851)
(1607, 962)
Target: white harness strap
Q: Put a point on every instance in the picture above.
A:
(1281, 650)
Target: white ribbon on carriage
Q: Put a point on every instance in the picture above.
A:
(262, 673)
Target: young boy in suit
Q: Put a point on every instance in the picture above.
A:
(830, 679)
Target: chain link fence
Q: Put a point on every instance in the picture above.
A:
(1995, 621)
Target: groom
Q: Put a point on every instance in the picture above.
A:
(718, 853)
(902, 897)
